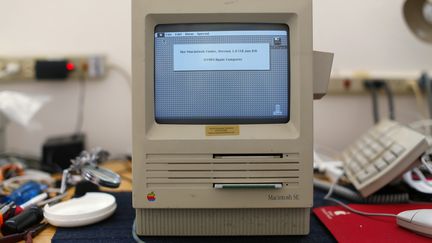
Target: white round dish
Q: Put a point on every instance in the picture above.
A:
(88, 209)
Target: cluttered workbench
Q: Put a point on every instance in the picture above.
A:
(29, 195)
(326, 220)
(120, 167)
(53, 234)
(118, 227)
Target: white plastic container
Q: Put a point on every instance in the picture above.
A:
(88, 209)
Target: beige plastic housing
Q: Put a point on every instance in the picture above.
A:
(176, 167)
(322, 64)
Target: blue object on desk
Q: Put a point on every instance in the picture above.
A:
(118, 228)
(25, 192)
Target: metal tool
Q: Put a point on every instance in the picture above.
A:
(86, 167)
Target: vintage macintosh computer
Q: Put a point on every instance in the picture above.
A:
(222, 116)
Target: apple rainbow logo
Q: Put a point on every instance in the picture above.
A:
(151, 197)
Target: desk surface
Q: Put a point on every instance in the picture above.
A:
(318, 231)
(121, 167)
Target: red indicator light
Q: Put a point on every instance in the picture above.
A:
(70, 66)
(347, 84)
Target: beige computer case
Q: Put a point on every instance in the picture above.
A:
(175, 167)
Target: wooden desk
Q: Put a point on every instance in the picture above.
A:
(121, 167)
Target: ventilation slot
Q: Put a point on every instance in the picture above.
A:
(181, 174)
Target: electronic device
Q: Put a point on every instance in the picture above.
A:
(58, 151)
(222, 116)
(419, 221)
(382, 154)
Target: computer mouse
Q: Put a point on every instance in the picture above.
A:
(419, 221)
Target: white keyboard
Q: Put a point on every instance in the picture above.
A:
(381, 155)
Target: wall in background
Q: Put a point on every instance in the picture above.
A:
(365, 35)
(368, 35)
(58, 27)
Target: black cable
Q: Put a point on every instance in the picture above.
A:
(374, 86)
(375, 111)
(81, 103)
(428, 83)
(390, 98)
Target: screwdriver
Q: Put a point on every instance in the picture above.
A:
(4, 210)
(25, 193)
(34, 200)
(18, 224)
(32, 215)
(17, 209)
(13, 211)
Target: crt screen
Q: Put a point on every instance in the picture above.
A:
(221, 74)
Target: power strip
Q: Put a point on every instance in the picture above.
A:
(38, 68)
(353, 83)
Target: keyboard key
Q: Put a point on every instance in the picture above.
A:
(361, 145)
(386, 141)
(354, 167)
(371, 170)
(397, 149)
(377, 147)
(390, 127)
(353, 151)
(369, 153)
(389, 157)
(362, 176)
(368, 140)
(380, 164)
(361, 160)
(375, 134)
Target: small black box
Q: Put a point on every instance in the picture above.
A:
(58, 151)
(53, 70)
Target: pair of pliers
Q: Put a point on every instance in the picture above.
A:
(27, 235)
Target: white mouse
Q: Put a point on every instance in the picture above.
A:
(419, 221)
